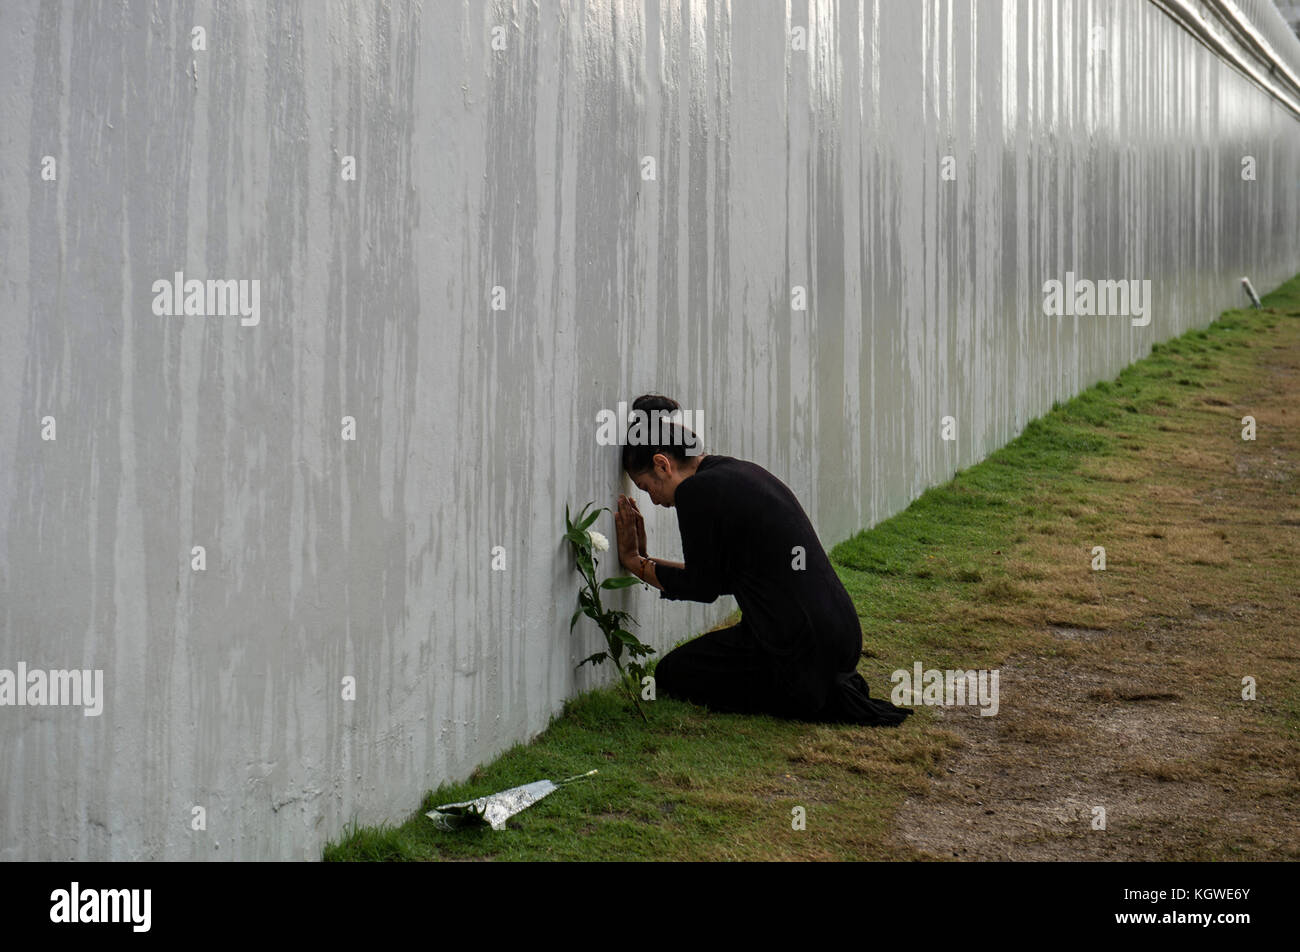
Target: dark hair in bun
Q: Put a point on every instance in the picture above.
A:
(669, 438)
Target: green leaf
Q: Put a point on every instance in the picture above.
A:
(574, 620)
(595, 659)
(581, 515)
(590, 519)
(619, 618)
(620, 581)
(578, 538)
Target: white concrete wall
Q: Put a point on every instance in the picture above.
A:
(519, 168)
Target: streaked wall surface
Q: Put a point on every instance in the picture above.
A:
(1086, 136)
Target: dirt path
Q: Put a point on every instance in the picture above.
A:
(1145, 718)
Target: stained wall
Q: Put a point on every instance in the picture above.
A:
(627, 196)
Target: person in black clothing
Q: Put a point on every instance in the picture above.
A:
(794, 652)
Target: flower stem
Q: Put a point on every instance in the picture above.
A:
(599, 609)
(631, 692)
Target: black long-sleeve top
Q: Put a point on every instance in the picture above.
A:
(740, 527)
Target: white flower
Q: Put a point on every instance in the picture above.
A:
(598, 541)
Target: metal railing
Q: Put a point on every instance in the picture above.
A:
(1250, 35)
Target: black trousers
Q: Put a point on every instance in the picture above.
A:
(725, 671)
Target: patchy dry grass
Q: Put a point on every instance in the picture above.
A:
(1122, 689)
